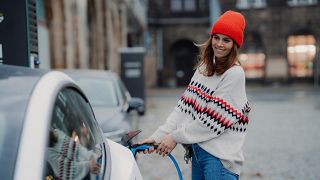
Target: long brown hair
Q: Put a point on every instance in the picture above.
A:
(222, 65)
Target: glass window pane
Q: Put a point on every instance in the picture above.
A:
(301, 55)
(301, 2)
(242, 4)
(190, 5)
(176, 5)
(259, 3)
(246, 4)
(75, 148)
(124, 91)
(101, 92)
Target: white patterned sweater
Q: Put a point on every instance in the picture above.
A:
(212, 112)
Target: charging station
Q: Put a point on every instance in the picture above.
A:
(132, 70)
(18, 33)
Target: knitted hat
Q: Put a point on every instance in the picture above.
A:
(231, 24)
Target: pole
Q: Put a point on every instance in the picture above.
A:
(215, 10)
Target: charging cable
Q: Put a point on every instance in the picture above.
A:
(141, 147)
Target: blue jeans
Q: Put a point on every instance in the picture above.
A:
(208, 167)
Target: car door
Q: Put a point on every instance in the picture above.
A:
(76, 148)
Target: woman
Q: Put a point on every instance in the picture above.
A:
(212, 114)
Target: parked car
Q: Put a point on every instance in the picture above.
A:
(115, 109)
(48, 131)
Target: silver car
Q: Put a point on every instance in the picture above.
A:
(48, 131)
(116, 111)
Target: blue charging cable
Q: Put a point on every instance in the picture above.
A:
(141, 147)
(176, 165)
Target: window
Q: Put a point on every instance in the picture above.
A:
(301, 55)
(301, 2)
(124, 91)
(247, 4)
(203, 5)
(75, 149)
(93, 88)
(182, 5)
(176, 5)
(189, 5)
(242, 4)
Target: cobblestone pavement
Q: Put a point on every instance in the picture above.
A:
(283, 139)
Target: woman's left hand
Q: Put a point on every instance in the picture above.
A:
(167, 144)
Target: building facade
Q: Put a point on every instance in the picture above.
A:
(281, 42)
(87, 34)
(176, 26)
(281, 39)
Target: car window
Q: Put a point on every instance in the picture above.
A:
(101, 92)
(124, 91)
(75, 149)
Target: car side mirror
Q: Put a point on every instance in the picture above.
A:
(126, 139)
(137, 104)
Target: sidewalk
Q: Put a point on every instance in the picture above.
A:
(282, 139)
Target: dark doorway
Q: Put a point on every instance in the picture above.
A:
(184, 53)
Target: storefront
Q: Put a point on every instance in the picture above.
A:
(301, 53)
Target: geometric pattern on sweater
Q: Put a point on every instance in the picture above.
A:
(213, 112)
(69, 153)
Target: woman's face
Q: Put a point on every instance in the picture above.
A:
(221, 45)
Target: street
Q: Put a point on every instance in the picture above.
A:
(282, 140)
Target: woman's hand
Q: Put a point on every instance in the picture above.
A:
(166, 145)
(94, 167)
(148, 141)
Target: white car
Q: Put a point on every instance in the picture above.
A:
(48, 131)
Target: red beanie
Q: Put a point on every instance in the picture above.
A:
(231, 24)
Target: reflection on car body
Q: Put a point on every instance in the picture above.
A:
(48, 131)
(111, 101)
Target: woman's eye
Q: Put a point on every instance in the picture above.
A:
(226, 40)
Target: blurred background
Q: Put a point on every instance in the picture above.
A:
(154, 42)
(281, 38)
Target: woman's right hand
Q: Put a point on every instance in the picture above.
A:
(148, 141)
(94, 166)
